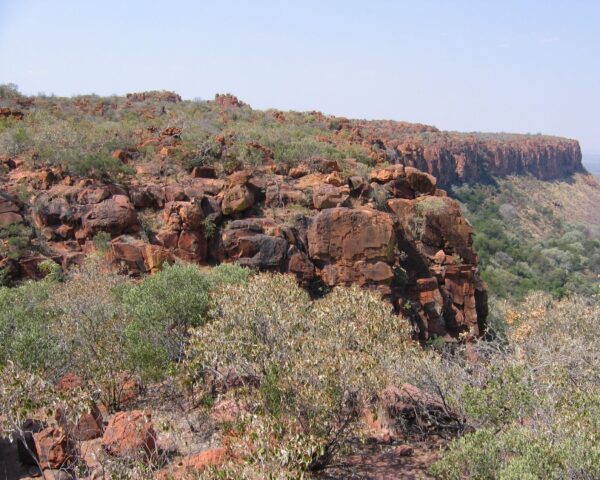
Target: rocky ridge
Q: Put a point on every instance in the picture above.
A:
(393, 231)
(454, 157)
(379, 220)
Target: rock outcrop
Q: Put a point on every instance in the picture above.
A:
(130, 434)
(391, 230)
(454, 157)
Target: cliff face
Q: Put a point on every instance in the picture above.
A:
(394, 232)
(460, 157)
(474, 161)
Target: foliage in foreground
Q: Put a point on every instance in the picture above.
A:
(305, 369)
(316, 364)
(104, 326)
(536, 402)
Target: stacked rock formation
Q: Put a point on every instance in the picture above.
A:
(393, 231)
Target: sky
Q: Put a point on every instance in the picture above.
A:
(514, 66)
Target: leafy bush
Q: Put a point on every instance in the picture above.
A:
(27, 336)
(103, 326)
(536, 401)
(228, 274)
(91, 326)
(98, 165)
(504, 397)
(316, 363)
(14, 240)
(102, 241)
(163, 307)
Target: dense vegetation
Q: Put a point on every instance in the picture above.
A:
(563, 258)
(305, 370)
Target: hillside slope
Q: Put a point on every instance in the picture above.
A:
(536, 235)
(80, 172)
(232, 132)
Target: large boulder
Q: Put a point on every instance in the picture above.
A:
(419, 181)
(130, 434)
(329, 196)
(115, 215)
(350, 235)
(281, 194)
(138, 256)
(147, 196)
(262, 252)
(54, 447)
(52, 212)
(352, 246)
(237, 199)
(247, 242)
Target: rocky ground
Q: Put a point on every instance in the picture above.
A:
(187, 440)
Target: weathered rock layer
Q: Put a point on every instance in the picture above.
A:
(454, 157)
(393, 231)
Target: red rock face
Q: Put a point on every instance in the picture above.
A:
(353, 246)
(391, 230)
(130, 434)
(227, 100)
(460, 157)
(54, 448)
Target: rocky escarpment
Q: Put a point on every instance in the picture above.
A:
(454, 157)
(392, 230)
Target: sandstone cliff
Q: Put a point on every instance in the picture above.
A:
(393, 231)
(454, 157)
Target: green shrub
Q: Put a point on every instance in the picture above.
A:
(535, 399)
(91, 324)
(210, 227)
(27, 336)
(98, 165)
(504, 397)
(17, 237)
(316, 363)
(163, 306)
(102, 241)
(228, 273)
(519, 453)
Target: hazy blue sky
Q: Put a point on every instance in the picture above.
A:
(522, 66)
